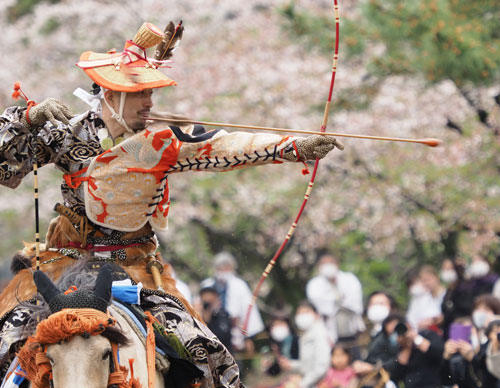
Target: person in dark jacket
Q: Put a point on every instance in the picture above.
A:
(472, 282)
(382, 350)
(216, 318)
(418, 363)
(284, 342)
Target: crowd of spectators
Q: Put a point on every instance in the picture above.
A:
(446, 336)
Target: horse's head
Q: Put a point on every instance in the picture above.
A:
(80, 362)
(76, 345)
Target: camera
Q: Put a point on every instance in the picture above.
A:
(401, 329)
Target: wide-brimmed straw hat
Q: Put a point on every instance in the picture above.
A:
(131, 70)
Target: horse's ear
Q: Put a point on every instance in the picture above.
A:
(103, 283)
(45, 286)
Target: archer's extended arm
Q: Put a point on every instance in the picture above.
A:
(228, 151)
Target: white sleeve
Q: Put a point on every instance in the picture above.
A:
(229, 151)
(239, 298)
(321, 364)
(352, 292)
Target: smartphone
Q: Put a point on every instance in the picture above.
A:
(459, 331)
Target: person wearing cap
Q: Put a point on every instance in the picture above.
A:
(115, 182)
(235, 296)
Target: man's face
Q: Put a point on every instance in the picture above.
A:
(136, 109)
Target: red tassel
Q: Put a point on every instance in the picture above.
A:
(18, 92)
(305, 170)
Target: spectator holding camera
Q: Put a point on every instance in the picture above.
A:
(458, 354)
(408, 356)
(419, 359)
(468, 367)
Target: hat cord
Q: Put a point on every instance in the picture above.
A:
(116, 116)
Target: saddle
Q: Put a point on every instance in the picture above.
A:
(62, 251)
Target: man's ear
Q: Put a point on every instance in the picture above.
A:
(109, 96)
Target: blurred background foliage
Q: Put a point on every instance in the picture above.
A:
(383, 209)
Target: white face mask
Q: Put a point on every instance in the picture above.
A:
(304, 320)
(448, 275)
(279, 333)
(478, 269)
(329, 270)
(418, 290)
(376, 313)
(480, 318)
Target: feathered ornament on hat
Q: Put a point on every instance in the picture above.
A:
(172, 37)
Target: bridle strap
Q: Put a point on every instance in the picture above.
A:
(117, 377)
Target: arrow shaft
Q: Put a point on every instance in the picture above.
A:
(290, 130)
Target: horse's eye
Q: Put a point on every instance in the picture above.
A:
(106, 354)
(51, 360)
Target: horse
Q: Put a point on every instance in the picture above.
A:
(85, 341)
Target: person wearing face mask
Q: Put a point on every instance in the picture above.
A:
(473, 281)
(338, 297)
(284, 343)
(382, 350)
(426, 311)
(448, 274)
(421, 307)
(235, 295)
(486, 308)
(480, 273)
(379, 306)
(314, 348)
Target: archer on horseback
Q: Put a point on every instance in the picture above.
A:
(115, 187)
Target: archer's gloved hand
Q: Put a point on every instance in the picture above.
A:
(48, 110)
(312, 147)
